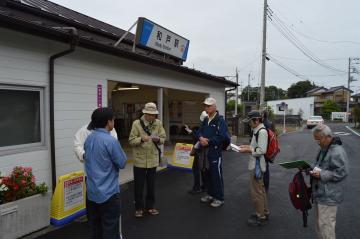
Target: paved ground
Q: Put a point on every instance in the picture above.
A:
(183, 216)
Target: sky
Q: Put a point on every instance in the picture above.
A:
(227, 35)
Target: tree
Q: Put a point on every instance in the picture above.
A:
(329, 107)
(274, 93)
(299, 89)
(230, 107)
(251, 94)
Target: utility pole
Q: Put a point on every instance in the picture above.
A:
(248, 87)
(351, 79)
(348, 95)
(263, 59)
(237, 92)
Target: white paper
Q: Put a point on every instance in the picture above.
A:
(234, 147)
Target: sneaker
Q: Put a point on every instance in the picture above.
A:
(256, 221)
(206, 198)
(267, 215)
(194, 191)
(216, 203)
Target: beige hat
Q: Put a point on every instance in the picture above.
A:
(150, 108)
(209, 101)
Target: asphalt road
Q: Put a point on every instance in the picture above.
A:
(183, 216)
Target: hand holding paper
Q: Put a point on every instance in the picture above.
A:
(241, 148)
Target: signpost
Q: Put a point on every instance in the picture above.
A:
(156, 37)
(68, 201)
(283, 107)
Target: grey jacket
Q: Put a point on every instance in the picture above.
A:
(258, 148)
(329, 188)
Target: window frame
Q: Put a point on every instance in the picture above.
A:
(30, 146)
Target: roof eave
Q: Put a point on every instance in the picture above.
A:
(58, 35)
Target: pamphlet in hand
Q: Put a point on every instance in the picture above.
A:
(295, 164)
(235, 148)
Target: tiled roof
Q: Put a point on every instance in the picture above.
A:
(45, 19)
(315, 89)
(336, 88)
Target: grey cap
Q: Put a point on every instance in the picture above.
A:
(254, 114)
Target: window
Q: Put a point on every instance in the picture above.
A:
(22, 117)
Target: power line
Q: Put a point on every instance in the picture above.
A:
(314, 38)
(325, 41)
(288, 69)
(303, 59)
(286, 32)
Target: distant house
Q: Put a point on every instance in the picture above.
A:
(356, 99)
(298, 106)
(339, 94)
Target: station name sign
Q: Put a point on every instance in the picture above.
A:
(156, 37)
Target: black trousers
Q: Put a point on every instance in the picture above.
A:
(104, 218)
(142, 175)
(199, 175)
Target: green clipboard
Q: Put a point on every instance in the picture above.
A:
(295, 164)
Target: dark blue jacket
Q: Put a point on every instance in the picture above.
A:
(216, 132)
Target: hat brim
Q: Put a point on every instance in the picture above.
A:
(207, 104)
(150, 112)
(246, 120)
(90, 126)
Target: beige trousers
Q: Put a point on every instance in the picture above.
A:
(325, 220)
(258, 196)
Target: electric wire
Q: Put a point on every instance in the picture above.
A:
(287, 33)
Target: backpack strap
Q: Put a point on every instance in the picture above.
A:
(257, 134)
(149, 134)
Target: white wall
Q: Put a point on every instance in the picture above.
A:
(306, 104)
(24, 60)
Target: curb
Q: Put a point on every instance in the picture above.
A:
(352, 130)
(296, 131)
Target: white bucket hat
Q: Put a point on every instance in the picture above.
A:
(150, 108)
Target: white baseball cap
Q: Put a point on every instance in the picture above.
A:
(209, 101)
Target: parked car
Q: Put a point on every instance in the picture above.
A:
(314, 121)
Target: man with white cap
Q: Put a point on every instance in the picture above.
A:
(212, 135)
(146, 136)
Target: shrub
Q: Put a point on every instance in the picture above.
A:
(20, 184)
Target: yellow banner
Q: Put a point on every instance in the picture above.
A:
(181, 157)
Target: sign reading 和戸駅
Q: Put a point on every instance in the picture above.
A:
(154, 36)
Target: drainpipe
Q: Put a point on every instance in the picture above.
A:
(226, 91)
(51, 86)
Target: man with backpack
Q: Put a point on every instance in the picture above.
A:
(213, 136)
(328, 174)
(257, 168)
